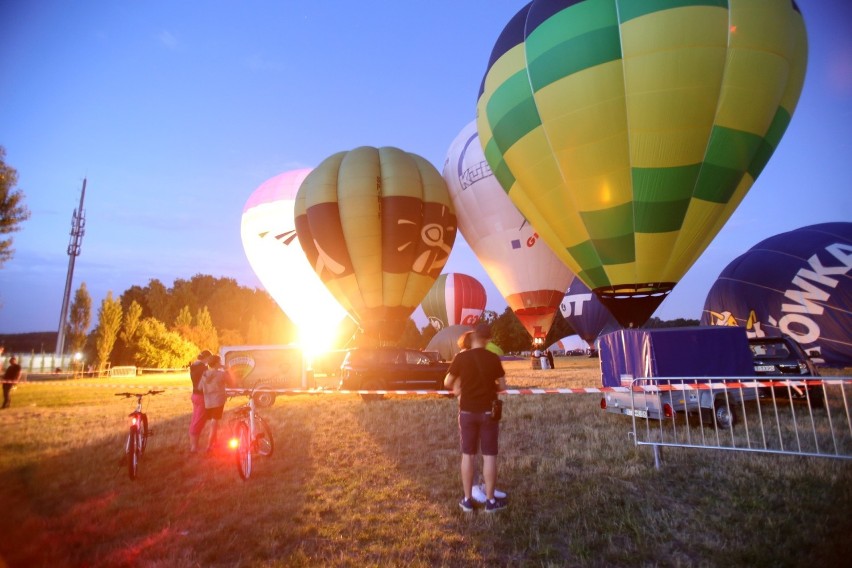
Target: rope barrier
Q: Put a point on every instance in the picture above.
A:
(730, 385)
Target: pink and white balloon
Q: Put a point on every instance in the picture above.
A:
(272, 247)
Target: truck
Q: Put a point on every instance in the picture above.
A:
(273, 366)
(676, 356)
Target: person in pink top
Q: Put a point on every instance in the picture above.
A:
(196, 423)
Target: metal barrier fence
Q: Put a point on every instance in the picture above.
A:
(796, 417)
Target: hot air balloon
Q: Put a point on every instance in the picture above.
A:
(446, 341)
(377, 225)
(529, 276)
(584, 312)
(272, 248)
(796, 283)
(454, 299)
(628, 132)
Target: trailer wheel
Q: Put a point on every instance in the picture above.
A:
(264, 399)
(723, 414)
(817, 397)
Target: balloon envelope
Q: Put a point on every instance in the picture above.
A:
(377, 225)
(445, 342)
(796, 283)
(272, 249)
(628, 132)
(585, 312)
(454, 299)
(528, 274)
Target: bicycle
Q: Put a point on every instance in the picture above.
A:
(137, 437)
(249, 433)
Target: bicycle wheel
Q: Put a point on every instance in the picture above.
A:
(143, 433)
(264, 443)
(243, 451)
(131, 451)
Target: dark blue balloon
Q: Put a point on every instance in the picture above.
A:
(584, 312)
(796, 283)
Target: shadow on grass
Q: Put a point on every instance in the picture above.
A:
(582, 494)
(78, 507)
(360, 484)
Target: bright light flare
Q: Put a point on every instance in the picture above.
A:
(234, 443)
(316, 337)
(272, 247)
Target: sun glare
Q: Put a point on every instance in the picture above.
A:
(317, 336)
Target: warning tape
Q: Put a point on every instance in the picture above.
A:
(652, 388)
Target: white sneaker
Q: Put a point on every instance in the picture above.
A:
(478, 493)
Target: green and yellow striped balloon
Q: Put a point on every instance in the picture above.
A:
(628, 131)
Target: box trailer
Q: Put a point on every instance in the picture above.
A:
(273, 366)
(653, 358)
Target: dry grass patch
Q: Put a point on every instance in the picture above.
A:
(376, 484)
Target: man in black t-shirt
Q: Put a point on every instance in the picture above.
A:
(477, 375)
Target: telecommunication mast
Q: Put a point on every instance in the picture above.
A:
(78, 228)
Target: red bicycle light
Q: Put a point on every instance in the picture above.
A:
(133, 420)
(603, 403)
(668, 411)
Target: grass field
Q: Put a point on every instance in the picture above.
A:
(377, 484)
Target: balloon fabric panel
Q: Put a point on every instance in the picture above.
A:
(272, 248)
(797, 283)
(627, 132)
(527, 273)
(584, 312)
(454, 299)
(378, 227)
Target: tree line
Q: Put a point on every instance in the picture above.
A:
(166, 327)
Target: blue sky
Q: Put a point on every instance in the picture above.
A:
(176, 112)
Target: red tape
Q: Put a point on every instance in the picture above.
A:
(732, 385)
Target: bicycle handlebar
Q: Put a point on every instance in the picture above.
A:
(129, 394)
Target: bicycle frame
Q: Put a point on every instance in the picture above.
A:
(247, 414)
(137, 436)
(250, 435)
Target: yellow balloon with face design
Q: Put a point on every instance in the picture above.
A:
(377, 225)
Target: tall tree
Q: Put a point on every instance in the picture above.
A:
(427, 332)
(411, 336)
(127, 346)
(158, 300)
(79, 318)
(509, 333)
(184, 318)
(13, 212)
(131, 322)
(558, 329)
(158, 347)
(206, 336)
(106, 332)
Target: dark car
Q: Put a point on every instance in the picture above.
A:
(391, 368)
(784, 357)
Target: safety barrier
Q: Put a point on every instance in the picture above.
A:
(123, 371)
(809, 417)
